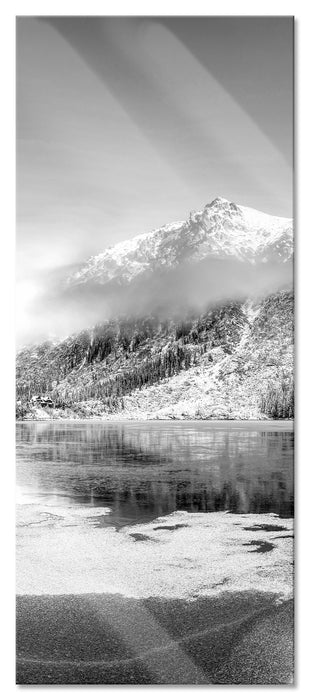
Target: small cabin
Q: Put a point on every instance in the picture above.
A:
(46, 401)
(43, 401)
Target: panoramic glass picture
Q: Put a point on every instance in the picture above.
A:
(155, 359)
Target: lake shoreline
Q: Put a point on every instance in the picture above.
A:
(287, 423)
(185, 413)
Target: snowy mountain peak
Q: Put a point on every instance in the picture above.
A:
(220, 202)
(221, 229)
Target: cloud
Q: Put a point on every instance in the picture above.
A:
(188, 288)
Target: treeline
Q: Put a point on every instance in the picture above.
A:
(110, 391)
(118, 357)
(278, 401)
(123, 337)
(221, 326)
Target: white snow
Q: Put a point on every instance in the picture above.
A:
(221, 228)
(61, 551)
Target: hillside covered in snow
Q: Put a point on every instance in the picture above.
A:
(224, 358)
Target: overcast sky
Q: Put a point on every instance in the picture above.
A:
(125, 124)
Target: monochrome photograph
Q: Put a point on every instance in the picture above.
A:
(154, 350)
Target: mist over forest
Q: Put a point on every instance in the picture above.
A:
(190, 288)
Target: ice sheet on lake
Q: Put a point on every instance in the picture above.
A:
(65, 550)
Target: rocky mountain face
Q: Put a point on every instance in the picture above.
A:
(221, 229)
(232, 359)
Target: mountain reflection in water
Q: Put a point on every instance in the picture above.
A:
(147, 469)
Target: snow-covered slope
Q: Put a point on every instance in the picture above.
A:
(233, 361)
(227, 356)
(221, 229)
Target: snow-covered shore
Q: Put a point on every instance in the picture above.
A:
(69, 550)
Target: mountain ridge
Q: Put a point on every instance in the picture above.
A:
(229, 359)
(221, 228)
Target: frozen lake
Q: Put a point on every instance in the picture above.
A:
(149, 469)
(154, 552)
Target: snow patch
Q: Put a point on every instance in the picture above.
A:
(183, 555)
